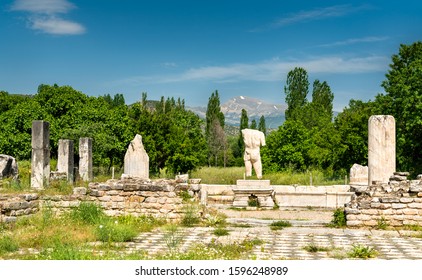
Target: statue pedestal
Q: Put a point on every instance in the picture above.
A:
(259, 190)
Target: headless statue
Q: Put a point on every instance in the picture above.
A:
(253, 140)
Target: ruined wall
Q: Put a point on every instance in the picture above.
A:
(128, 196)
(397, 203)
(14, 206)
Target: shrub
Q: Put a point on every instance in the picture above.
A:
(312, 248)
(8, 244)
(221, 231)
(190, 215)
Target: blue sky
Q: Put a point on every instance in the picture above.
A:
(189, 49)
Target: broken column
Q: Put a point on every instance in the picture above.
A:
(65, 160)
(85, 159)
(136, 159)
(381, 148)
(40, 159)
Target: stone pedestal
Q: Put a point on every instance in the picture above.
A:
(381, 148)
(359, 175)
(85, 159)
(260, 190)
(40, 158)
(136, 159)
(65, 161)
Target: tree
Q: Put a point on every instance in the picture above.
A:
(296, 90)
(322, 101)
(213, 114)
(403, 100)
(262, 126)
(244, 123)
(253, 124)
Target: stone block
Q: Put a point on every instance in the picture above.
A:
(8, 167)
(85, 159)
(390, 199)
(65, 158)
(415, 205)
(398, 205)
(406, 199)
(381, 148)
(136, 162)
(80, 191)
(358, 175)
(355, 223)
(40, 157)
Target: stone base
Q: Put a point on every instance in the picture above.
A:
(263, 195)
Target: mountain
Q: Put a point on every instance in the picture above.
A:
(232, 110)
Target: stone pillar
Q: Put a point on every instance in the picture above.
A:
(65, 161)
(40, 158)
(85, 159)
(136, 159)
(381, 148)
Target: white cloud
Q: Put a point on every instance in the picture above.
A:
(57, 26)
(273, 70)
(43, 6)
(351, 41)
(44, 16)
(313, 15)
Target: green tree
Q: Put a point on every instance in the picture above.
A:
(213, 114)
(403, 100)
(244, 123)
(296, 90)
(262, 126)
(253, 124)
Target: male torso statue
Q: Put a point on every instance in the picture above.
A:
(253, 140)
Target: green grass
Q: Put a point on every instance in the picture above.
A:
(221, 231)
(312, 248)
(278, 225)
(229, 175)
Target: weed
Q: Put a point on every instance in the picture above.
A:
(215, 219)
(362, 252)
(113, 231)
(382, 223)
(253, 201)
(8, 244)
(278, 225)
(241, 225)
(221, 231)
(339, 218)
(186, 197)
(88, 213)
(312, 248)
(190, 215)
(172, 237)
(413, 227)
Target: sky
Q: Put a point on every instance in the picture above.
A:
(189, 49)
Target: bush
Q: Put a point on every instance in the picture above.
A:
(8, 244)
(362, 252)
(221, 231)
(191, 215)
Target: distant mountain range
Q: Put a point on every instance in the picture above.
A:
(232, 110)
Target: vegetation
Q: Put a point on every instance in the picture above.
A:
(278, 225)
(339, 218)
(359, 251)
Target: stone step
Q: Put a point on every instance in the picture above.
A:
(260, 222)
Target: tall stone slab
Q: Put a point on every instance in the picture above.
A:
(381, 148)
(136, 159)
(40, 158)
(85, 159)
(65, 160)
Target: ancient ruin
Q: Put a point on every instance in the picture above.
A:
(40, 161)
(65, 160)
(253, 140)
(8, 167)
(381, 148)
(85, 159)
(136, 159)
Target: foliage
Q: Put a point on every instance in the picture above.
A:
(220, 231)
(113, 231)
(88, 213)
(403, 100)
(8, 244)
(214, 130)
(296, 90)
(312, 248)
(382, 223)
(262, 126)
(190, 216)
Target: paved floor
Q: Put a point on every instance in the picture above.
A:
(289, 243)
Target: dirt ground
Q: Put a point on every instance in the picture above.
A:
(300, 214)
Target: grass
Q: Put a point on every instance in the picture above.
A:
(278, 225)
(229, 175)
(382, 224)
(220, 231)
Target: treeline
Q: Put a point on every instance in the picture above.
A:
(177, 140)
(171, 134)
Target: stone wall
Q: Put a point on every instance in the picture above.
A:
(129, 196)
(14, 206)
(396, 203)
